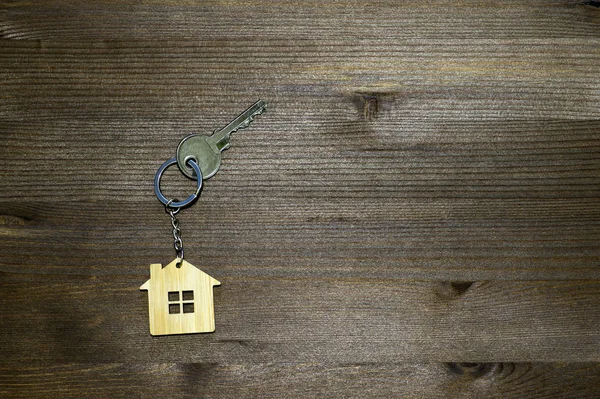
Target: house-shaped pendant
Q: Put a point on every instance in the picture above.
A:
(180, 299)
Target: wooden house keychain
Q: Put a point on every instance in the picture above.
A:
(180, 296)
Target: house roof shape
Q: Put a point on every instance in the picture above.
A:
(186, 270)
(172, 290)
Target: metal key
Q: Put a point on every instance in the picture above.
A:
(206, 150)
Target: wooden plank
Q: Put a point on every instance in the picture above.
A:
(105, 319)
(487, 168)
(388, 81)
(302, 380)
(101, 19)
(422, 195)
(244, 236)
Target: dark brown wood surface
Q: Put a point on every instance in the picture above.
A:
(417, 215)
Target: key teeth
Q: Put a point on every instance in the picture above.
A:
(243, 125)
(247, 122)
(260, 110)
(250, 119)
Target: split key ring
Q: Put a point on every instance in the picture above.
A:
(172, 203)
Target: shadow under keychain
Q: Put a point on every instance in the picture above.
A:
(180, 296)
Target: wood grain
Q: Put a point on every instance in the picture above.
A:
(104, 319)
(417, 215)
(487, 168)
(217, 19)
(192, 291)
(302, 380)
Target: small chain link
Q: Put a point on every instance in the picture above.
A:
(177, 243)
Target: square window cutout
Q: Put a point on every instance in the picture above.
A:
(173, 296)
(188, 295)
(174, 308)
(188, 308)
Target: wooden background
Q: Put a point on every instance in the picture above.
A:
(416, 216)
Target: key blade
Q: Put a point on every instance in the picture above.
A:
(220, 138)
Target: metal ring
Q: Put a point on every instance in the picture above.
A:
(188, 200)
(170, 210)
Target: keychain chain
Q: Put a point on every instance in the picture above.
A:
(180, 295)
(177, 243)
(199, 158)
